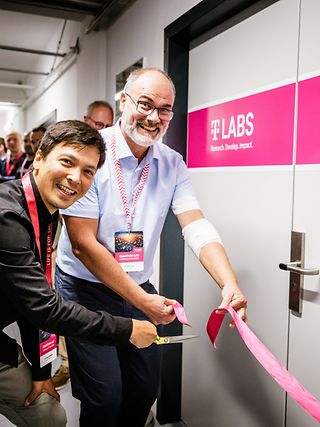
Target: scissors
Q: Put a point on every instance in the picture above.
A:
(174, 339)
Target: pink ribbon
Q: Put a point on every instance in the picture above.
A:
(279, 373)
(180, 313)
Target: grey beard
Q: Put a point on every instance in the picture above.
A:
(143, 141)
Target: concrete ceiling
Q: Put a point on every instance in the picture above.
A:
(27, 28)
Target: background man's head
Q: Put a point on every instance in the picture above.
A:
(27, 145)
(36, 135)
(14, 143)
(99, 115)
(3, 148)
(146, 104)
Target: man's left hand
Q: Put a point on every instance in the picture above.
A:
(39, 387)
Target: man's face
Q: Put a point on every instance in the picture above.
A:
(65, 174)
(36, 138)
(27, 145)
(2, 150)
(14, 143)
(155, 89)
(28, 148)
(101, 117)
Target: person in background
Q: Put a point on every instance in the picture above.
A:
(3, 149)
(99, 115)
(31, 143)
(26, 137)
(128, 202)
(64, 167)
(36, 135)
(30, 153)
(10, 167)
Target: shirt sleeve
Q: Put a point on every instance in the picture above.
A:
(30, 344)
(183, 186)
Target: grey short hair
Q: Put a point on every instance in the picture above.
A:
(135, 74)
(97, 104)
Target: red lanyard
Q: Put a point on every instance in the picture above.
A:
(121, 184)
(32, 206)
(9, 168)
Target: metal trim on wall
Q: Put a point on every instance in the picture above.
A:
(202, 22)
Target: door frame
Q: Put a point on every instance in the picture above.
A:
(199, 24)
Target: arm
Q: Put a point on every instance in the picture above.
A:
(25, 293)
(214, 259)
(100, 262)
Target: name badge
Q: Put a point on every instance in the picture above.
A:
(48, 347)
(129, 250)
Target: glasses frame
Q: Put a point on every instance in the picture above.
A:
(98, 123)
(152, 107)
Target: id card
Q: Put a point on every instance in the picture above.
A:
(48, 347)
(128, 250)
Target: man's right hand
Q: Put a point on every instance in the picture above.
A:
(143, 333)
(158, 308)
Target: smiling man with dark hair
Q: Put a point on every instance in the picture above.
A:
(63, 170)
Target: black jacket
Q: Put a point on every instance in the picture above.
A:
(25, 295)
(15, 173)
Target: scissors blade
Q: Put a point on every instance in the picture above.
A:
(174, 339)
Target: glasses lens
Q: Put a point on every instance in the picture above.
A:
(99, 125)
(144, 107)
(165, 114)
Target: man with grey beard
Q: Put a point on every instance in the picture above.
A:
(107, 247)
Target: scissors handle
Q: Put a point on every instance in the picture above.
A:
(161, 340)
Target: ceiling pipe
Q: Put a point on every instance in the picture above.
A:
(14, 70)
(33, 51)
(16, 85)
(54, 75)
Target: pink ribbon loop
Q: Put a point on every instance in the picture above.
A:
(180, 313)
(279, 373)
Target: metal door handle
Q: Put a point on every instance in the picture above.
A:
(293, 267)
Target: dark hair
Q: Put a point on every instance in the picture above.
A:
(2, 142)
(97, 104)
(72, 132)
(39, 129)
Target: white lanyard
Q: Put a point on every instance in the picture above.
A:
(121, 184)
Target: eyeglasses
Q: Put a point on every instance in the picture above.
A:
(146, 109)
(99, 125)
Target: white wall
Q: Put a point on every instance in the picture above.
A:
(139, 34)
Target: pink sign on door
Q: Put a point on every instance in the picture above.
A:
(252, 131)
(308, 137)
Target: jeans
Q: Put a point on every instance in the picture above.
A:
(116, 385)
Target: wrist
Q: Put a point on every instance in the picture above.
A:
(138, 296)
(230, 286)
